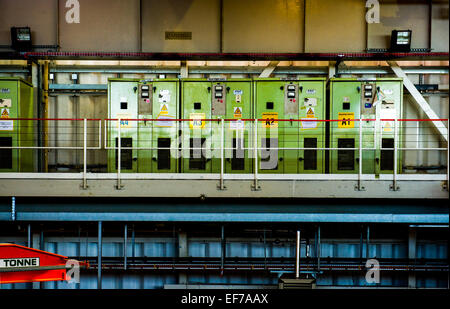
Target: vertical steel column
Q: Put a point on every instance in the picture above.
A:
(13, 208)
(132, 244)
(297, 256)
(361, 244)
(265, 250)
(29, 236)
(319, 251)
(99, 255)
(367, 242)
(84, 153)
(41, 241)
(412, 246)
(223, 253)
(125, 242)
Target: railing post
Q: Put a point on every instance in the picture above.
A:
(222, 138)
(255, 147)
(100, 134)
(448, 153)
(84, 153)
(394, 186)
(360, 187)
(119, 159)
(106, 133)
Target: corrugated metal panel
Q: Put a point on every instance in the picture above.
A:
(167, 247)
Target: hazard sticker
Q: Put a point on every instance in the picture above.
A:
(270, 120)
(196, 120)
(387, 126)
(164, 109)
(5, 113)
(346, 120)
(310, 112)
(237, 111)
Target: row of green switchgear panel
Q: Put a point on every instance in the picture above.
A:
(180, 127)
(163, 127)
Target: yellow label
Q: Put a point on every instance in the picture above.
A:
(345, 120)
(197, 122)
(270, 120)
(124, 122)
(387, 126)
(237, 112)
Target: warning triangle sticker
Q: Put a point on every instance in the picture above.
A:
(164, 108)
(310, 111)
(5, 113)
(237, 110)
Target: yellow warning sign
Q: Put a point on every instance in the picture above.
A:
(270, 120)
(164, 110)
(310, 113)
(387, 126)
(5, 113)
(345, 120)
(197, 122)
(237, 112)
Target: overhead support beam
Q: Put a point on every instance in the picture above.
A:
(184, 70)
(420, 100)
(269, 69)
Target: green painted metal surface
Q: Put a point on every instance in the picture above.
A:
(16, 101)
(230, 100)
(370, 100)
(146, 110)
(301, 99)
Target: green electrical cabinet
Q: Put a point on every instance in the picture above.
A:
(149, 145)
(16, 101)
(229, 99)
(377, 102)
(299, 103)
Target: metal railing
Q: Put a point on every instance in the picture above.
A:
(250, 132)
